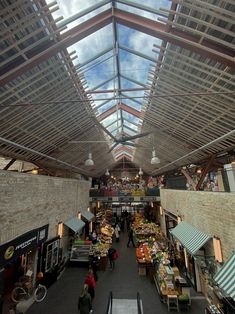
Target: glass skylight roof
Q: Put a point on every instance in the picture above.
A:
(115, 60)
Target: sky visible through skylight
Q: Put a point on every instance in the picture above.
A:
(101, 72)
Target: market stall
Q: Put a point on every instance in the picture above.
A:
(100, 251)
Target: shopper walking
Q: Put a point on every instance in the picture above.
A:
(84, 301)
(94, 264)
(112, 255)
(117, 232)
(90, 281)
(128, 223)
(130, 238)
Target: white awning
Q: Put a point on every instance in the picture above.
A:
(87, 215)
(74, 224)
(191, 238)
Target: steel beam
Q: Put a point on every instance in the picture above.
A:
(205, 171)
(137, 53)
(123, 156)
(206, 48)
(105, 91)
(189, 178)
(130, 110)
(67, 39)
(111, 110)
(10, 163)
(123, 148)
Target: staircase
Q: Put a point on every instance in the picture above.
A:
(120, 306)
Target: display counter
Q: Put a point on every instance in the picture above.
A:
(169, 282)
(80, 251)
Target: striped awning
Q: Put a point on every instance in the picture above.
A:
(87, 215)
(74, 224)
(191, 238)
(225, 277)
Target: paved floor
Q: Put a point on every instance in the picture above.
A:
(123, 281)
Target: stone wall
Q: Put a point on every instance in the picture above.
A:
(212, 213)
(29, 201)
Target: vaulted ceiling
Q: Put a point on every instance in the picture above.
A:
(117, 79)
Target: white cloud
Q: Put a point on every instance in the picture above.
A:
(131, 65)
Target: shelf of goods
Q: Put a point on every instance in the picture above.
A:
(165, 281)
(106, 233)
(146, 254)
(143, 230)
(100, 250)
(80, 251)
(104, 214)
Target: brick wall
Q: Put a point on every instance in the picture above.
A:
(212, 213)
(28, 201)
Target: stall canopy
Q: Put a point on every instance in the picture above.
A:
(87, 215)
(191, 238)
(225, 278)
(74, 224)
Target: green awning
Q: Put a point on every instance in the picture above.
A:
(74, 224)
(191, 238)
(87, 215)
(225, 277)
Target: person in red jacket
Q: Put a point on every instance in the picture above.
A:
(90, 281)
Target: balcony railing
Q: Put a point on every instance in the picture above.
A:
(147, 192)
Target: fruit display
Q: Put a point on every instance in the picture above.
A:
(106, 233)
(99, 249)
(147, 229)
(138, 219)
(143, 254)
(102, 214)
(148, 250)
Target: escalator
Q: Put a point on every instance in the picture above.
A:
(120, 306)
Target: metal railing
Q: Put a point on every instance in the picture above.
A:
(139, 304)
(110, 304)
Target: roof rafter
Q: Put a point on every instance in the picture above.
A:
(206, 48)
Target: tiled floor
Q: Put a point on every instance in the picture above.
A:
(123, 281)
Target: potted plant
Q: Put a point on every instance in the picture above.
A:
(183, 300)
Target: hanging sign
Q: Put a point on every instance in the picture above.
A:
(19, 246)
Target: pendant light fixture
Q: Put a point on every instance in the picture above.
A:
(141, 172)
(155, 160)
(107, 172)
(89, 161)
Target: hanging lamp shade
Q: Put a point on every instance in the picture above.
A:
(141, 172)
(89, 161)
(155, 160)
(107, 172)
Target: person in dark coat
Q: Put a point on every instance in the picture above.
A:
(94, 266)
(84, 301)
(130, 238)
(111, 256)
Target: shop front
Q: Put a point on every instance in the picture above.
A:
(170, 223)
(222, 289)
(74, 234)
(50, 260)
(19, 257)
(191, 245)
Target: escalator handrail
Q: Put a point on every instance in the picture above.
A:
(139, 307)
(110, 303)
